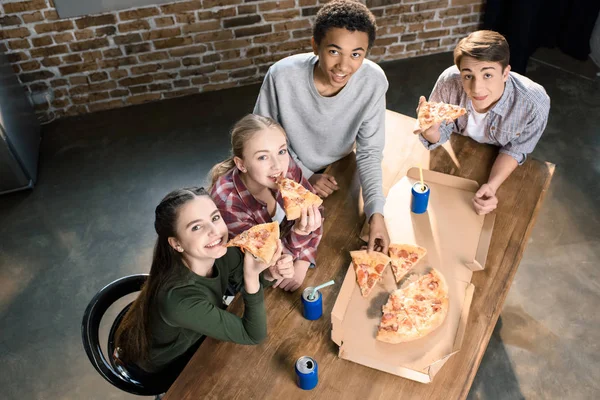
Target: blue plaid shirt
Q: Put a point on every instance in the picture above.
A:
(515, 123)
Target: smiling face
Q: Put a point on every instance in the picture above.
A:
(201, 231)
(265, 157)
(341, 53)
(483, 82)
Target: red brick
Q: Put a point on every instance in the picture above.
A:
(144, 69)
(21, 6)
(138, 89)
(230, 55)
(60, 103)
(181, 83)
(51, 62)
(16, 69)
(304, 3)
(49, 51)
(470, 18)
(72, 58)
(454, 11)
(119, 93)
(246, 9)
(216, 14)
(58, 26)
(106, 31)
(16, 57)
(416, 27)
(171, 64)
(128, 39)
(172, 42)
(75, 110)
(256, 51)
(138, 13)
(14, 33)
(211, 58)
(112, 53)
(92, 56)
(408, 38)
(64, 37)
(98, 76)
(30, 66)
(9, 20)
(185, 18)
(292, 25)
(164, 21)
(42, 41)
(431, 43)
(379, 3)
(310, 11)
(243, 73)
(179, 93)
(85, 34)
(161, 55)
(414, 46)
(185, 51)
(165, 76)
(137, 48)
(36, 76)
(398, 10)
(288, 46)
(90, 44)
(60, 92)
(144, 98)
(134, 26)
(433, 24)
(138, 80)
(181, 7)
(161, 33)
(50, 15)
(75, 68)
(479, 8)
(219, 77)
(462, 30)
(202, 27)
(449, 41)
(433, 34)
(220, 86)
(59, 83)
(197, 71)
(253, 31)
(19, 44)
(213, 36)
(393, 21)
(277, 37)
(160, 86)
(118, 74)
(118, 62)
(276, 5)
(386, 41)
(450, 22)
(96, 20)
(303, 33)
(282, 15)
(187, 61)
(33, 17)
(462, 2)
(420, 17)
(80, 80)
(377, 51)
(240, 21)
(431, 5)
(106, 105)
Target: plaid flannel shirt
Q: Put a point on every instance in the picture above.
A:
(515, 123)
(241, 211)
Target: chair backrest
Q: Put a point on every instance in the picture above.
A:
(90, 325)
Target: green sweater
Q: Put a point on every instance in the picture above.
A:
(190, 306)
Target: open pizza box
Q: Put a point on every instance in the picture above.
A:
(457, 241)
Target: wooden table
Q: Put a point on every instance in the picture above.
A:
(222, 370)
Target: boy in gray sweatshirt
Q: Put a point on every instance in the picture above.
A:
(332, 99)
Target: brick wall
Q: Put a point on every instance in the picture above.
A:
(126, 57)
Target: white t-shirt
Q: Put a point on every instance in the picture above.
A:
(279, 214)
(475, 126)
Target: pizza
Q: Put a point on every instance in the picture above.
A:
(260, 240)
(415, 310)
(431, 113)
(368, 268)
(404, 257)
(295, 197)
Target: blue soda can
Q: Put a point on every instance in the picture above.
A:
(420, 198)
(312, 307)
(307, 372)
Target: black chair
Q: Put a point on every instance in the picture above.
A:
(117, 375)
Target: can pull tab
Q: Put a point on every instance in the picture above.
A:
(309, 364)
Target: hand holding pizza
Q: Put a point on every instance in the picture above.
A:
(433, 131)
(309, 220)
(254, 265)
(485, 200)
(379, 239)
(323, 184)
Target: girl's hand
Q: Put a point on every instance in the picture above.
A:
(254, 266)
(309, 220)
(292, 284)
(283, 269)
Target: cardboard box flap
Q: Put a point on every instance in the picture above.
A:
(444, 179)
(483, 245)
(340, 306)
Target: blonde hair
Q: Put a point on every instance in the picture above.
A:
(242, 131)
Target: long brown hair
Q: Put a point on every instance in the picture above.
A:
(133, 336)
(240, 134)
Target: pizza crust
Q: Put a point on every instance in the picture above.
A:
(404, 258)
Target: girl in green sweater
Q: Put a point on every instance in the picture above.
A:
(182, 301)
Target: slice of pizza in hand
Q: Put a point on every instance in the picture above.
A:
(260, 240)
(430, 113)
(295, 197)
(404, 258)
(368, 268)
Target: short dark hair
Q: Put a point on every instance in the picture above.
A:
(483, 46)
(347, 14)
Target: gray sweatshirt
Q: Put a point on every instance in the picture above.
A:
(322, 130)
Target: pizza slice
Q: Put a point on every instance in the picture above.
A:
(404, 258)
(429, 286)
(431, 113)
(368, 268)
(295, 197)
(396, 328)
(260, 240)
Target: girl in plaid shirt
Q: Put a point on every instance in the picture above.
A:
(245, 191)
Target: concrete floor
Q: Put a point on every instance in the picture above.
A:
(89, 221)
